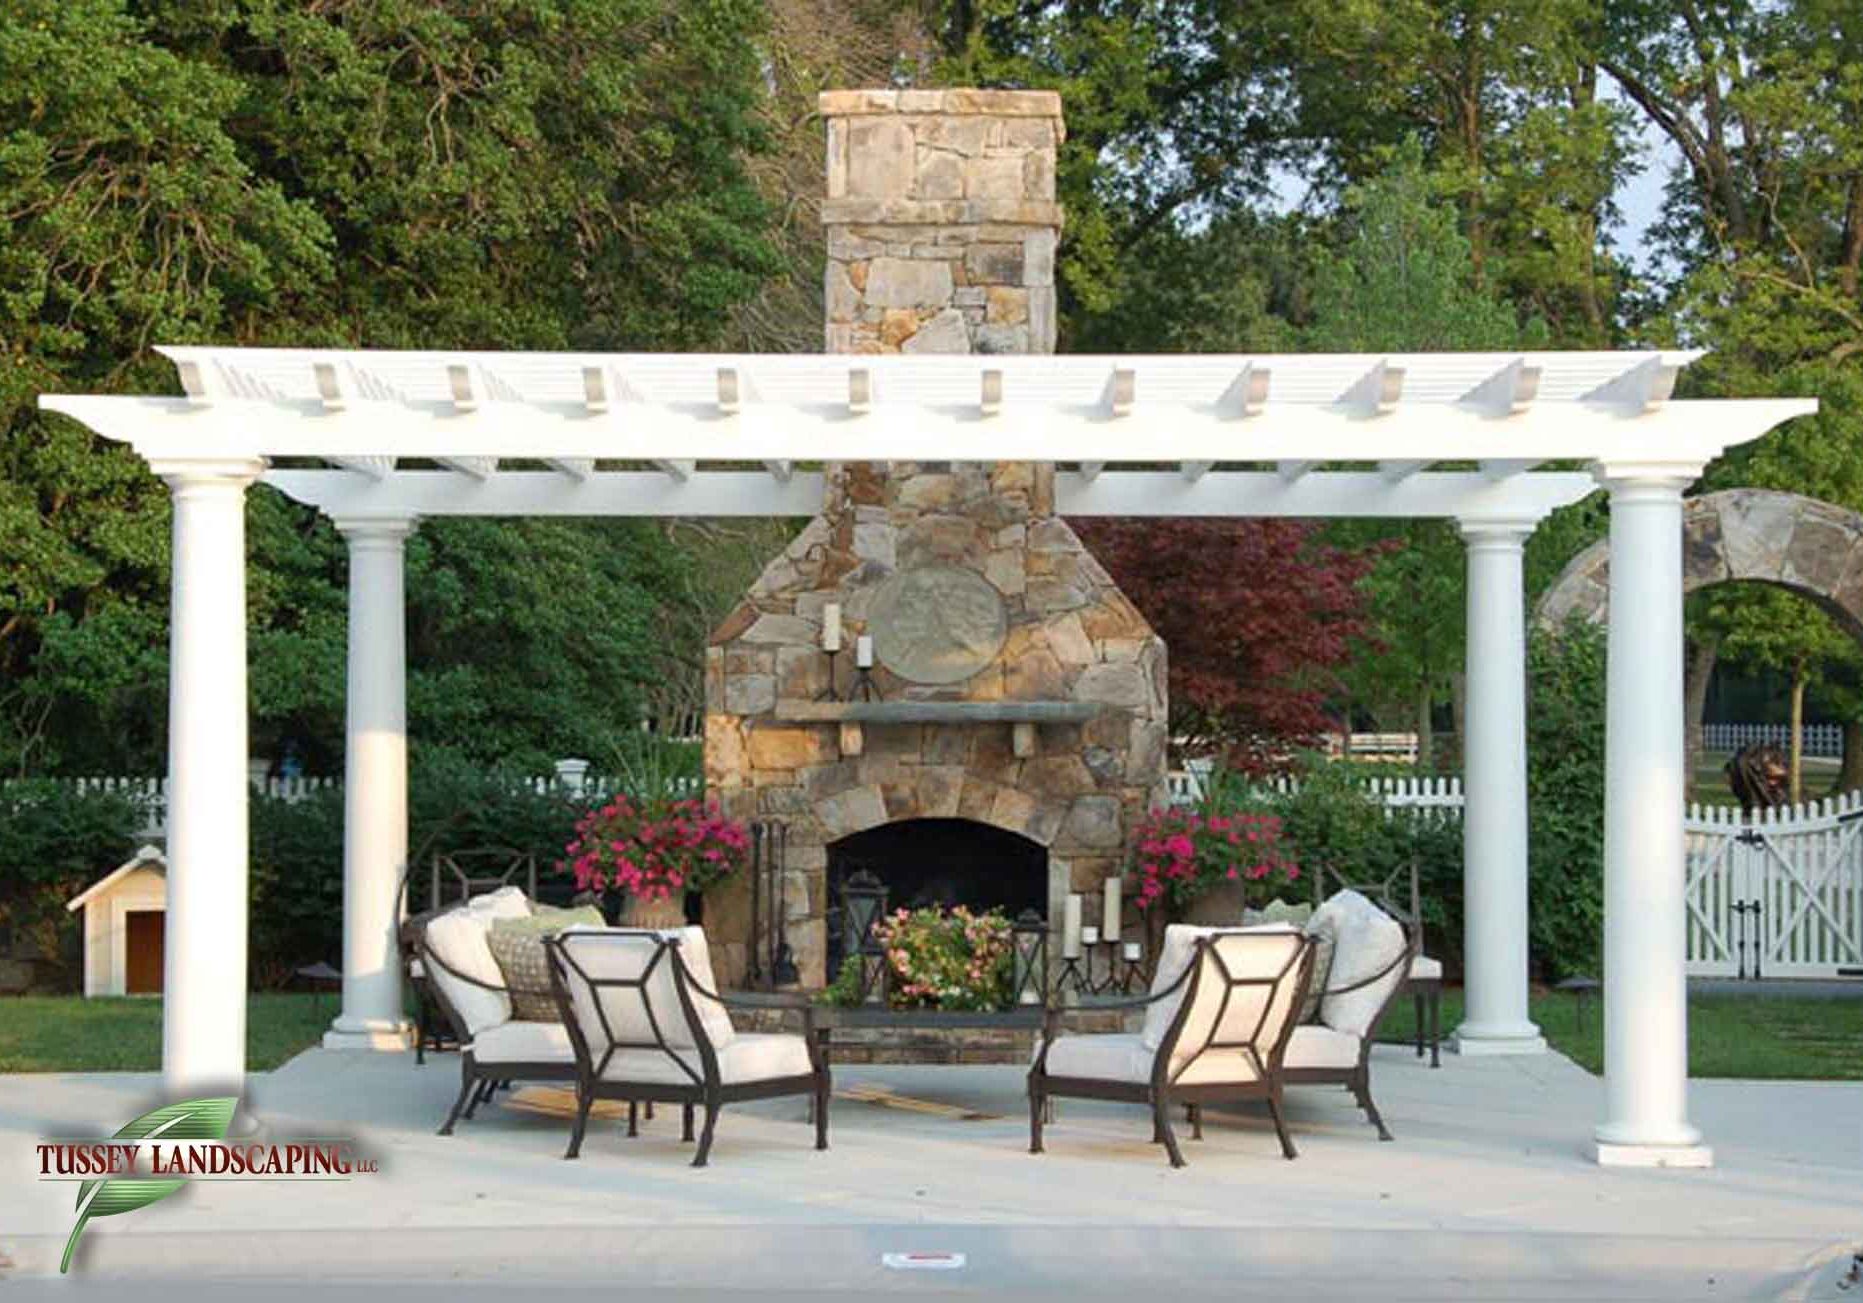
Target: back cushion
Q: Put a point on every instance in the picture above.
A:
(1180, 942)
(1365, 941)
(633, 1013)
(458, 943)
(1252, 1014)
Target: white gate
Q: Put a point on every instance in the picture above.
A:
(1780, 896)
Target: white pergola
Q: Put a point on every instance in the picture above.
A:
(378, 440)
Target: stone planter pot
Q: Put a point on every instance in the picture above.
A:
(655, 914)
(1220, 906)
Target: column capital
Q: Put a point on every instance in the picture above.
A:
(1497, 531)
(1654, 476)
(375, 529)
(184, 473)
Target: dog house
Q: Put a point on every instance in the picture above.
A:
(123, 926)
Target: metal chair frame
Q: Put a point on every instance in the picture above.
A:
(1165, 1087)
(705, 1085)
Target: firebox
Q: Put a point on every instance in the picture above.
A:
(924, 862)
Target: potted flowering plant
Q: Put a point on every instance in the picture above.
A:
(941, 958)
(1181, 855)
(654, 851)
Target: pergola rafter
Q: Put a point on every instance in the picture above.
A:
(700, 419)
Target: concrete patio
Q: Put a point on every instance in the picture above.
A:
(1486, 1191)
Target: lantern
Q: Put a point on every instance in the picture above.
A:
(1030, 938)
(863, 902)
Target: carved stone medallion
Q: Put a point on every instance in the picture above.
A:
(937, 624)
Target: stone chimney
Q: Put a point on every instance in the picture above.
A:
(1027, 694)
(941, 220)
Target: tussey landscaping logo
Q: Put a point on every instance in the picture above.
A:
(161, 1151)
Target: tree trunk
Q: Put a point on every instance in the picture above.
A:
(1426, 737)
(1850, 775)
(1798, 733)
(1700, 671)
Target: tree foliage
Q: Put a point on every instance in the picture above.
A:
(1259, 616)
(546, 174)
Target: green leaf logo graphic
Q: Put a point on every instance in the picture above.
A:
(191, 1119)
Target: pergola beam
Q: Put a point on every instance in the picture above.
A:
(752, 493)
(1153, 433)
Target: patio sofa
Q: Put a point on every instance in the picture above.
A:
(646, 1023)
(454, 950)
(1217, 1023)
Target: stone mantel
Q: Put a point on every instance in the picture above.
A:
(940, 712)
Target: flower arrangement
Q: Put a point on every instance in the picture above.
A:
(655, 849)
(947, 958)
(1180, 854)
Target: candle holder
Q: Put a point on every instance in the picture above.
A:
(863, 689)
(828, 693)
(1071, 979)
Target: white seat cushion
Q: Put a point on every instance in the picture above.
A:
(519, 1041)
(457, 942)
(1366, 941)
(751, 1056)
(1315, 1045)
(1106, 1057)
(1124, 1057)
(1425, 969)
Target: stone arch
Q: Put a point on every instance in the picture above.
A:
(1812, 548)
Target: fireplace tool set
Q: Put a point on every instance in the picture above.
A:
(772, 963)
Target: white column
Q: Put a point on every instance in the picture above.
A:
(375, 788)
(1494, 784)
(204, 932)
(1645, 983)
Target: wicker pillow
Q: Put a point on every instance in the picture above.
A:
(517, 946)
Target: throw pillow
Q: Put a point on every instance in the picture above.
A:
(1367, 941)
(517, 947)
(1279, 911)
(1324, 936)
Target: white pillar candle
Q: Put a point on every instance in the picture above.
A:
(863, 651)
(1109, 923)
(1090, 936)
(831, 627)
(1134, 951)
(1070, 927)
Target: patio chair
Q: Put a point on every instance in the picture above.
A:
(1423, 982)
(647, 1024)
(465, 982)
(1373, 950)
(1217, 1022)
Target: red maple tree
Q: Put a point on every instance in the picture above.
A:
(1257, 614)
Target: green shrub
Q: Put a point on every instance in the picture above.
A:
(54, 842)
(1565, 799)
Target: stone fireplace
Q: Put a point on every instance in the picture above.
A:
(1012, 727)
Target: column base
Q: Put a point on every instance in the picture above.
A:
(1610, 1154)
(1497, 1040)
(369, 1034)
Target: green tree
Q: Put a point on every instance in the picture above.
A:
(1403, 280)
(552, 174)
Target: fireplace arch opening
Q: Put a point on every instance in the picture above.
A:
(948, 862)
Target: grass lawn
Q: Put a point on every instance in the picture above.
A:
(49, 1033)
(1728, 1036)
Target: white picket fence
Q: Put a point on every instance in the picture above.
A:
(1823, 740)
(1778, 896)
(1437, 796)
(572, 778)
